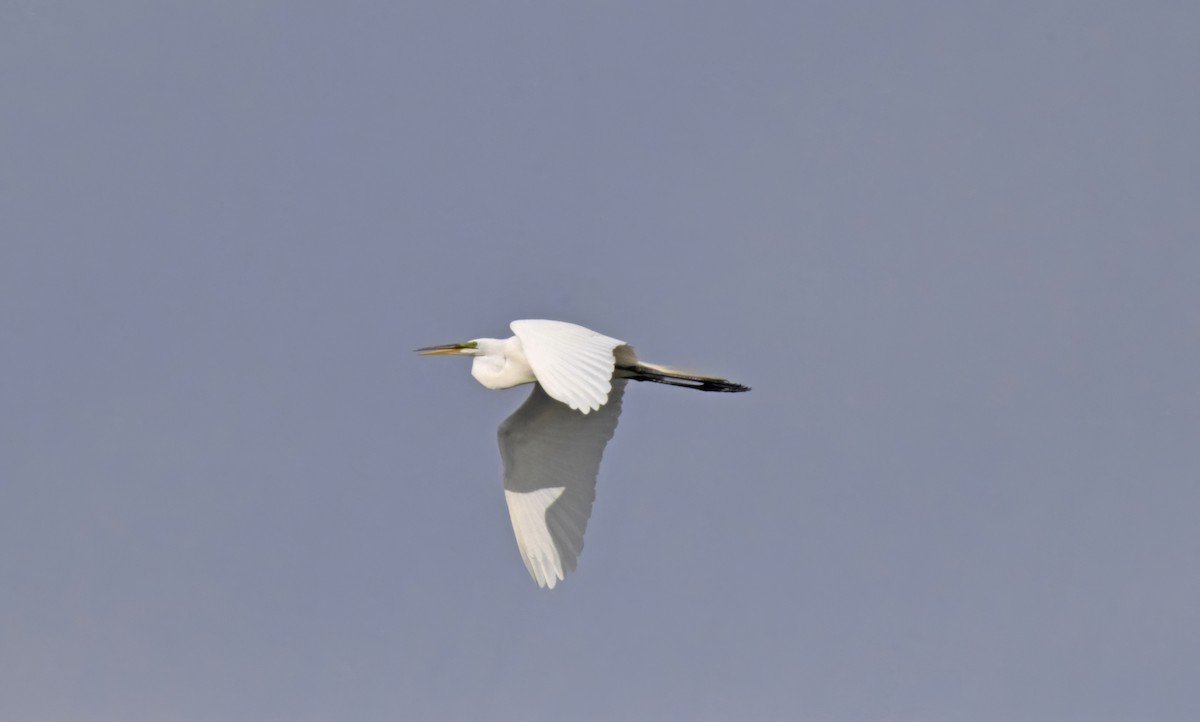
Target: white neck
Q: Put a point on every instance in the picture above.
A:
(501, 364)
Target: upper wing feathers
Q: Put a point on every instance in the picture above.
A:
(572, 363)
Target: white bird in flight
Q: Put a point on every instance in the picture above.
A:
(551, 446)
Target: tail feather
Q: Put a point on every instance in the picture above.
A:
(675, 377)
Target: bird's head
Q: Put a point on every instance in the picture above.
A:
(466, 348)
(490, 364)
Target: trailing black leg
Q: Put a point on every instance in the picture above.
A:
(673, 377)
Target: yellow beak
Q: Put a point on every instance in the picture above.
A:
(450, 348)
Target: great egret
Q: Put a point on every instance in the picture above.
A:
(551, 446)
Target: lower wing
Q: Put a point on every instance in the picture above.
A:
(551, 457)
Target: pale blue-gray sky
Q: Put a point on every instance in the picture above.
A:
(955, 249)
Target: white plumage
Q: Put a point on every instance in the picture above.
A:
(573, 364)
(552, 445)
(551, 456)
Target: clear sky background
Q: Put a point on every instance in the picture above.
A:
(954, 247)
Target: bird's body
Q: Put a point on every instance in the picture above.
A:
(552, 445)
(502, 365)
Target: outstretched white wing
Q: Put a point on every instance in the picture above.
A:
(551, 457)
(574, 364)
